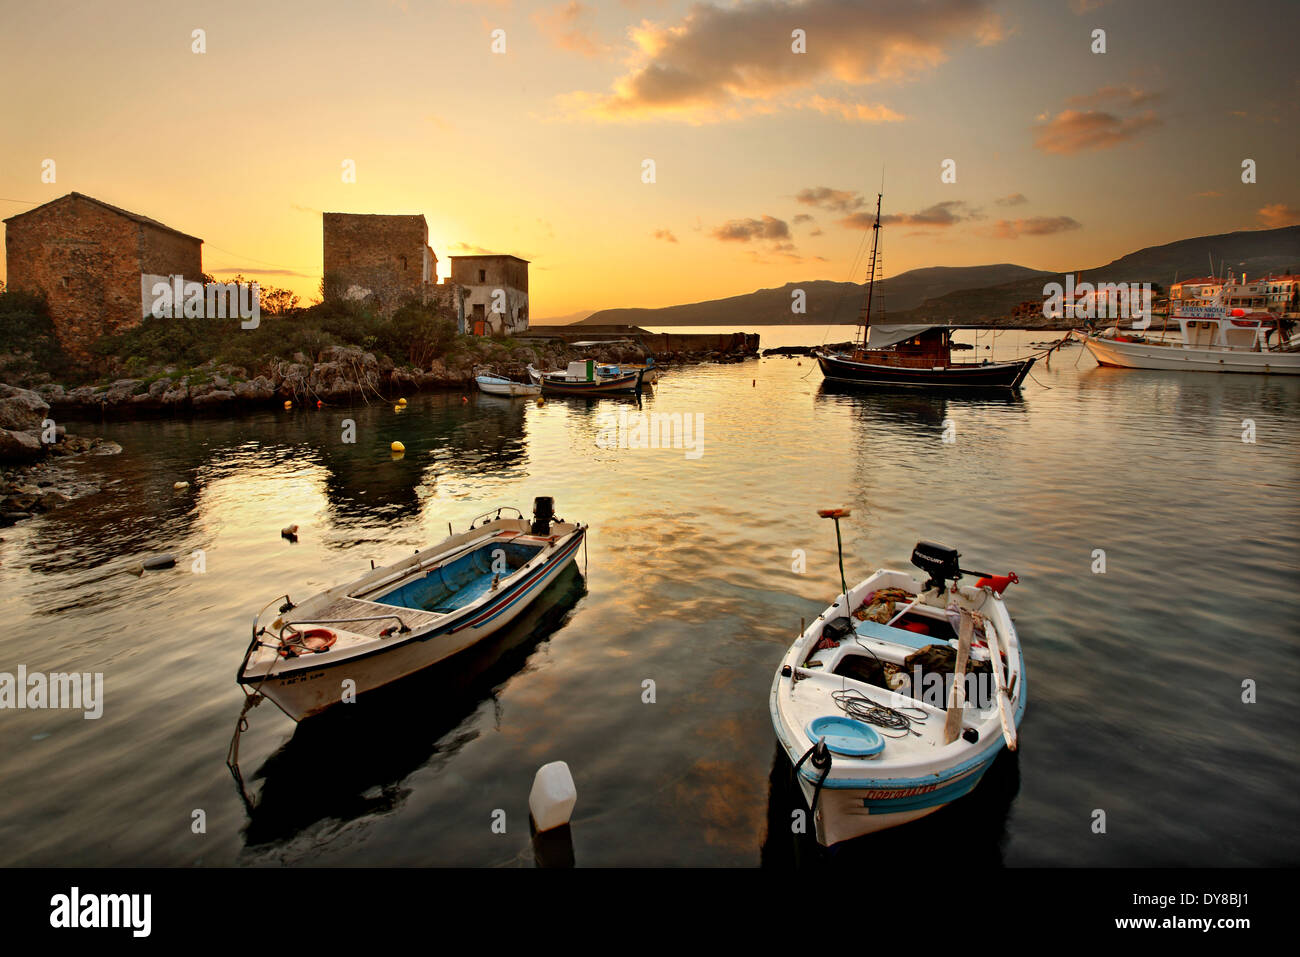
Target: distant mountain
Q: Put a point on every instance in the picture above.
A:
(1254, 252)
(827, 301)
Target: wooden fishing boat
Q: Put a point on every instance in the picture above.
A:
(895, 701)
(589, 378)
(396, 620)
(499, 385)
(911, 356)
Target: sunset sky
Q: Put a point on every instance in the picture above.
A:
(767, 161)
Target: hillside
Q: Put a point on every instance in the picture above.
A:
(1253, 252)
(827, 301)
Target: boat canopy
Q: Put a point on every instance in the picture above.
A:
(878, 337)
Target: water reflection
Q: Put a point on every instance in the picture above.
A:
(349, 764)
(974, 827)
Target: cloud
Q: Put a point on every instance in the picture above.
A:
(470, 249)
(1076, 131)
(568, 27)
(1033, 226)
(836, 200)
(665, 234)
(746, 230)
(724, 62)
(803, 218)
(256, 271)
(1011, 199)
(1279, 214)
(855, 112)
(1128, 95)
(948, 213)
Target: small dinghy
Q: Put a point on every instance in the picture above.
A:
(399, 619)
(499, 385)
(896, 700)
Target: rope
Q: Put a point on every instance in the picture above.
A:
(857, 705)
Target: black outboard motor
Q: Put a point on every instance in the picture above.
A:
(543, 512)
(938, 561)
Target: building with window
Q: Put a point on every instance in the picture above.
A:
(495, 293)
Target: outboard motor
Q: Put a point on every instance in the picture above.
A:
(543, 512)
(938, 561)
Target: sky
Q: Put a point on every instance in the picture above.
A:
(653, 152)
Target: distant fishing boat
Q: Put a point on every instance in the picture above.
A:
(499, 385)
(911, 356)
(396, 620)
(588, 377)
(873, 703)
(1210, 338)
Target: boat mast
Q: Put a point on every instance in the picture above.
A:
(871, 275)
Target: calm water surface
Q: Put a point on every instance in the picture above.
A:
(1135, 675)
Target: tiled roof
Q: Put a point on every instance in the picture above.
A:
(109, 206)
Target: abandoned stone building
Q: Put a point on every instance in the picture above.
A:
(88, 258)
(384, 257)
(496, 293)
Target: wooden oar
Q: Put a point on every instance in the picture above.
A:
(957, 696)
(1004, 697)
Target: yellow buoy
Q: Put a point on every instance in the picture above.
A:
(398, 408)
(288, 404)
(398, 447)
(541, 401)
(401, 402)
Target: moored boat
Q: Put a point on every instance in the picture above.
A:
(588, 377)
(1210, 338)
(896, 700)
(401, 618)
(911, 356)
(499, 385)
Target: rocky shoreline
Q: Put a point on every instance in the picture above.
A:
(339, 374)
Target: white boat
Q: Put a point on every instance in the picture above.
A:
(1209, 339)
(499, 385)
(396, 620)
(884, 720)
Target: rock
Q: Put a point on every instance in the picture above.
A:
(19, 446)
(52, 499)
(212, 398)
(159, 387)
(104, 447)
(221, 382)
(260, 389)
(21, 409)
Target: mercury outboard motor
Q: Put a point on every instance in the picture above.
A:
(543, 512)
(940, 562)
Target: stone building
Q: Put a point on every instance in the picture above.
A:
(496, 293)
(385, 257)
(88, 259)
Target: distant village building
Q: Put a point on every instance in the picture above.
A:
(1279, 295)
(384, 257)
(89, 260)
(496, 293)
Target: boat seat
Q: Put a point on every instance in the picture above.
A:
(896, 636)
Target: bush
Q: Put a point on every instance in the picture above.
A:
(27, 337)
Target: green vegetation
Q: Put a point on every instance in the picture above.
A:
(27, 341)
(414, 335)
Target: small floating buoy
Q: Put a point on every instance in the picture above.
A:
(159, 561)
(541, 400)
(320, 404)
(178, 486)
(464, 398)
(799, 363)
(288, 403)
(402, 403)
(553, 796)
(398, 447)
(755, 383)
(290, 532)
(398, 408)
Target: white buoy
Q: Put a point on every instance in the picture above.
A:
(553, 795)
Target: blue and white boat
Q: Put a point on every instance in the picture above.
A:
(402, 618)
(896, 700)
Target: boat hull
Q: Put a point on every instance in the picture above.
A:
(1178, 358)
(507, 388)
(309, 691)
(993, 375)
